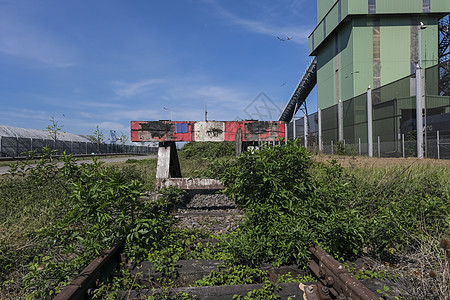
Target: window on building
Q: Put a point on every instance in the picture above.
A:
(426, 5)
(324, 28)
(372, 6)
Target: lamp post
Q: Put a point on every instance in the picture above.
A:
(422, 89)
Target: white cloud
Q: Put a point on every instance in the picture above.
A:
(107, 126)
(97, 104)
(134, 115)
(88, 115)
(26, 114)
(24, 40)
(299, 34)
(219, 95)
(184, 96)
(129, 115)
(223, 102)
(135, 88)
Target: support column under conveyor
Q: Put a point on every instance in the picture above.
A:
(299, 96)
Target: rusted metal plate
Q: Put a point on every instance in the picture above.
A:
(261, 131)
(214, 131)
(162, 131)
(189, 183)
(336, 278)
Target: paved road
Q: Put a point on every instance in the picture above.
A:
(4, 170)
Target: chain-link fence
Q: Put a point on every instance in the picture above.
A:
(394, 133)
(16, 147)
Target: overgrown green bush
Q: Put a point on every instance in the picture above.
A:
(238, 274)
(210, 150)
(292, 202)
(266, 292)
(99, 207)
(340, 148)
(286, 209)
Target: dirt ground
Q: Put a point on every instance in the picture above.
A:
(376, 162)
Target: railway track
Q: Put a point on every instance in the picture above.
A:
(215, 213)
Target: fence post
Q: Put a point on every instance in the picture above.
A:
(285, 133)
(1, 147)
(319, 115)
(379, 148)
(419, 112)
(305, 130)
(438, 150)
(340, 121)
(369, 122)
(403, 145)
(359, 146)
(332, 148)
(294, 129)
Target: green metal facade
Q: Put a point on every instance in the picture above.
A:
(358, 46)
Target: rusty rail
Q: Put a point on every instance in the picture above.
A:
(335, 279)
(100, 267)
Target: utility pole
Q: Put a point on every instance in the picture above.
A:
(369, 122)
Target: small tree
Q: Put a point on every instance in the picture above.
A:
(123, 138)
(97, 136)
(54, 129)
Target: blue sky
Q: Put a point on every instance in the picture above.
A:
(108, 62)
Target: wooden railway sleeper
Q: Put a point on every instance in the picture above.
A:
(335, 281)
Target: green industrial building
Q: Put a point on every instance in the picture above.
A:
(361, 43)
(376, 45)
